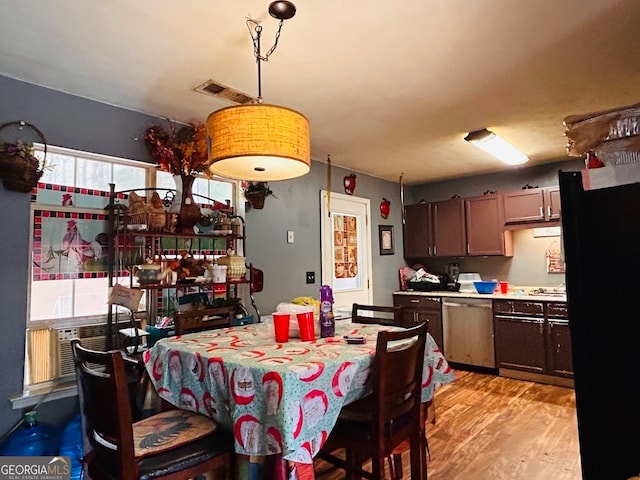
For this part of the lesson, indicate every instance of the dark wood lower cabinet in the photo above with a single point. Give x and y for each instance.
(559, 354)
(533, 337)
(418, 309)
(520, 343)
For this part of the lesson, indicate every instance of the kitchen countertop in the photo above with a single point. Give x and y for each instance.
(516, 295)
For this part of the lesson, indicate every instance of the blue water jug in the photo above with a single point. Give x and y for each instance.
(31, 439)
(71, 446)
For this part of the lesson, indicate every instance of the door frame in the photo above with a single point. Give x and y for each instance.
(326, 238)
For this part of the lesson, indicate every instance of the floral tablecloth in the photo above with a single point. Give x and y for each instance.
(276, 397)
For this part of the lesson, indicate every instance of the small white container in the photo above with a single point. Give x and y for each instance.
(219, 273)
(466, 282)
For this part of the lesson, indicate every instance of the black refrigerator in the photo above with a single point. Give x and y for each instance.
(601, 234)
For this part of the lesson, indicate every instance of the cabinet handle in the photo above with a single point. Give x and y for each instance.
(519, 319)
(414, 301)
(541, 328)
(435, 249)
(549, 211)
(541, 212)
(468, 249)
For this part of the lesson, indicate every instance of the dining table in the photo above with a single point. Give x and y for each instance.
(280, 400)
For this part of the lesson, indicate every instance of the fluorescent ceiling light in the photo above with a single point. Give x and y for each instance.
(494, 145)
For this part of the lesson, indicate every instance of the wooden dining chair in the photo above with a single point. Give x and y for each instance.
(173, 444)
(374, 426)
(205, 319)
(383, 315)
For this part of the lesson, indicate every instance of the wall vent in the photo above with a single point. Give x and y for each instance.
(217, 89)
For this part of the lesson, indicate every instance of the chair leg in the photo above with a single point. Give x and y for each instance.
(418, 460)
(354, 463)
(377, 467)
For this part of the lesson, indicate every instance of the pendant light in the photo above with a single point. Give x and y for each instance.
(260, 142)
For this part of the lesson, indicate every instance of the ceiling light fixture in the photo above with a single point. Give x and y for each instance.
(494, 145)
(260, 142)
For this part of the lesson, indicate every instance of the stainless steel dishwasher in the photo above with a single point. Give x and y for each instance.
(467, 328)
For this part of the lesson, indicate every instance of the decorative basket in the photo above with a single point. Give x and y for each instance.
(17, 172)
(256, 199)
(236, 268)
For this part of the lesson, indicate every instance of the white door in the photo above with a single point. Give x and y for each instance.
(346, 249)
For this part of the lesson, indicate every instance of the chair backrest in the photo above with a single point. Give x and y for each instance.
(206, 319)
(105, 405)
(382, 315)
(397, 384)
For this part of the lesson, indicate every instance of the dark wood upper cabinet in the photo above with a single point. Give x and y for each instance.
(534, 205)
(485, 226)
(524, 206)
(417, 231)
(552, 202)
(449, 235)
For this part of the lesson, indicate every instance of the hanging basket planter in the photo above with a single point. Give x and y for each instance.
(256, 199)
(256, 192)
(20, 170)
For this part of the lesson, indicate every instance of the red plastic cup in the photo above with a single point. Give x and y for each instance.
(504, 287)
(281, 326)
(305, 321)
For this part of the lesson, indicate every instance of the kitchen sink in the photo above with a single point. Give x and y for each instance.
(547, 294)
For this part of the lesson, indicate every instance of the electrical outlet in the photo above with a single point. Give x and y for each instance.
(290, 236)
(311, 277)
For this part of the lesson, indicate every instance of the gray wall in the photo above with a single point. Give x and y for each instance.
(74, 122)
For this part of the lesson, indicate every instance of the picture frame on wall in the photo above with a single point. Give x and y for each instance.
(385, 234)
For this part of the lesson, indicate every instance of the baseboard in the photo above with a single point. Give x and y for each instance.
(536, 377)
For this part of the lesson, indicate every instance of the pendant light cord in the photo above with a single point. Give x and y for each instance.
(256, 48)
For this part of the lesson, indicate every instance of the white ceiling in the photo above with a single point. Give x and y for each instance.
(389, 88)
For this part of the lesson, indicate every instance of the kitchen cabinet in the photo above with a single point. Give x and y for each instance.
(418, 309)
(519, 335)
(449, 233)
(533, 336)
(485, 226)
(533, 205)
(559, 355)
(418, 242)
(457, 227)
(552, 202)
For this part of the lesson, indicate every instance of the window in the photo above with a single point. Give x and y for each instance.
(68, 279)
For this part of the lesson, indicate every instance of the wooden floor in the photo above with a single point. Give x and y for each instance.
(496, 428)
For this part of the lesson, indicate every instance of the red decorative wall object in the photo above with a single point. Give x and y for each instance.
(385, 207)
(349, 183)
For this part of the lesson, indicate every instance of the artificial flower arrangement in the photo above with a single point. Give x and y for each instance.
(256, 187)
(24, 152)
(179, 152)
